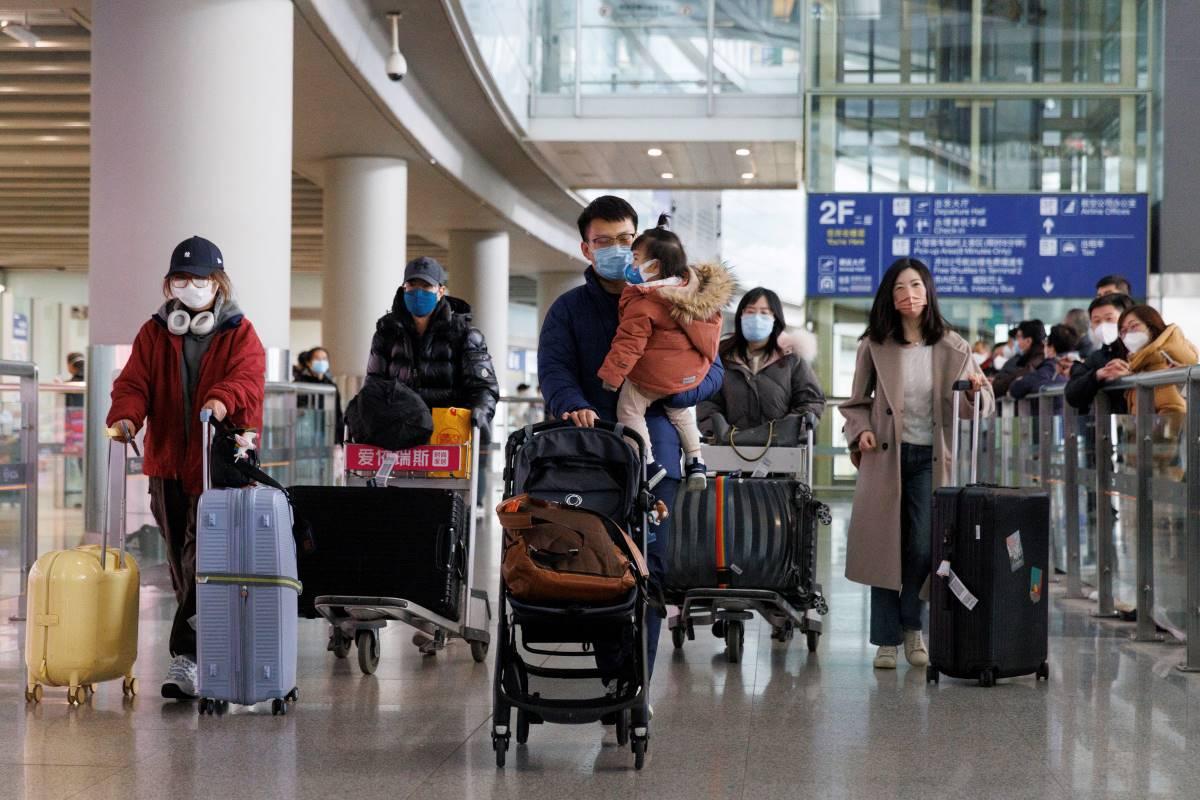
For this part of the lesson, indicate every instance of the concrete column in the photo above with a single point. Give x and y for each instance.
(191, 134)
(479, 275)
(365, 226)
(551, 286)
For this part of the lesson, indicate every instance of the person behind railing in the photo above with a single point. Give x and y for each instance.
(1077, 320)
(1113, 284)
(766, 379)
(312, 366)
(76, 372)
(1029, 353)
(899, 424)
(197, 352)
(1060, 349)
(995, 360)
(1152, 346)
(1107, 361)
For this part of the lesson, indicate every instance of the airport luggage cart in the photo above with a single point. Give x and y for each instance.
(728, 609)
(357, 619)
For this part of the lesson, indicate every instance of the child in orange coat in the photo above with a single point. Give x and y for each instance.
(666, 341)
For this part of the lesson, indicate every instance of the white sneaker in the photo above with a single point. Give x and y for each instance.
(914, 649)
(181, 679)
(885, 657)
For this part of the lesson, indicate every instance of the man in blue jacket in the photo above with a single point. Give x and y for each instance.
(575, 339)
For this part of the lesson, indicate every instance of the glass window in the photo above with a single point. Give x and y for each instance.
(756, 47)
(555, 42)
(644, 48)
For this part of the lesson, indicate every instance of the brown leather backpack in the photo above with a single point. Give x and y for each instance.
(553, 553)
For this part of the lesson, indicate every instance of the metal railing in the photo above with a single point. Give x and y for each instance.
(1125, 489)
(18, 478)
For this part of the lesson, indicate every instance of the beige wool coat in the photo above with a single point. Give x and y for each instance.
(877, 404)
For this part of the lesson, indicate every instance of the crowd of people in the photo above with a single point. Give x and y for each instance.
(640, 343)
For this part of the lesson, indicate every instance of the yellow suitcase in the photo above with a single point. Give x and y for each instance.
(82, 620)
(452, 426)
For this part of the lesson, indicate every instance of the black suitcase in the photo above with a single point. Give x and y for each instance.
(383, 542)
(743, 533)
(988, 604)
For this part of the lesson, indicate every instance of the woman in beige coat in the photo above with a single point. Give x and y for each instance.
(897, 424)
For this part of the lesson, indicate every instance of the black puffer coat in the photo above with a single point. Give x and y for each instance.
(448, 367)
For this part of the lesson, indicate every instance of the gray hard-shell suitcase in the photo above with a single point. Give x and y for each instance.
(246, 598)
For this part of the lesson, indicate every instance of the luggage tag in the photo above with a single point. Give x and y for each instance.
(1016, 553)
(762, 469)
(1035, 585)
(957, 587)
(385, 468)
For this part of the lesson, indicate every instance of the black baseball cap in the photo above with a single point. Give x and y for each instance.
(196, 256)
(425, 269)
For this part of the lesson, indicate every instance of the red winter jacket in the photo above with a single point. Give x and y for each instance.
(668, 335)
(150, 388)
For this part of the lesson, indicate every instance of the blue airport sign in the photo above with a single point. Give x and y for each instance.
(979, 245)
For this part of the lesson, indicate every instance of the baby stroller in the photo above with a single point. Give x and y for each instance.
(596, 469)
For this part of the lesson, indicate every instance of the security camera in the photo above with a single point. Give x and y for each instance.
(397, 64)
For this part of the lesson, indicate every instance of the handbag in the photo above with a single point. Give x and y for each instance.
(783, 432)
(556, 554)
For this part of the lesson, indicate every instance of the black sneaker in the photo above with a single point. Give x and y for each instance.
(697, 477)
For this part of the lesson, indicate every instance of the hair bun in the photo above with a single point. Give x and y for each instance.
(664, 221)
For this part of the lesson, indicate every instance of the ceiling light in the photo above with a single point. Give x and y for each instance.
(742, 151)
(19, 32)
(747, 176)
(654, 152)
(666, 176)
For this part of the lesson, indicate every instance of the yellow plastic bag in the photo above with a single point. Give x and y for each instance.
(453, 426)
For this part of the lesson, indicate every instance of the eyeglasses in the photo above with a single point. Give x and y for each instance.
(624, 239)
(199, 283)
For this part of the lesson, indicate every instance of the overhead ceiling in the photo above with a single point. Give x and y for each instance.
(690, 165)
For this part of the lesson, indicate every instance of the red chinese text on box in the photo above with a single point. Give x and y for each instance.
(439, 458)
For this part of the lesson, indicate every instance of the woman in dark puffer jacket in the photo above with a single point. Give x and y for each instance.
(765, 379)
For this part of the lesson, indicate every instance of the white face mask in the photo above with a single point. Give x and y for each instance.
(979, 358)
(1104, 334)
(1135, 340)
(998, 362)
(195, 298)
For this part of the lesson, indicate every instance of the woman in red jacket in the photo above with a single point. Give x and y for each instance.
(197, 352)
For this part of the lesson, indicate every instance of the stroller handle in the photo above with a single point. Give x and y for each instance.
(600, 424)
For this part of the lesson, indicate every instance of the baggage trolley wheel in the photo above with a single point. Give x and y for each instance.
(33, 694)
(1043, 672)
(129, 687)
(479, 651)
(718, 629)
(522, 727)
(623, 728)
(278, 707)
(368, 650)
(813, 638)
(735, 638)
(932, 675)
(339, 643)
(639, 752)
(678, 637)
(987, 678)
(293, 696)
(500, 745)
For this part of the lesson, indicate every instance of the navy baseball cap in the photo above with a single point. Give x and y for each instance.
(196, 256)
(425, 269)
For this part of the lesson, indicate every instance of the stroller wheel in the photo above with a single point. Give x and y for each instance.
(813, 638)
(522, 727)
(623, 728)
(479, 651)
(678, 637)
(500, 745)
(639, 752)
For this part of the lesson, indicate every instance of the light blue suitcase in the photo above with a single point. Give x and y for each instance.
(246, 598)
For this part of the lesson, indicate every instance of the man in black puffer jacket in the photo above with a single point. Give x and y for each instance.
(427, 343)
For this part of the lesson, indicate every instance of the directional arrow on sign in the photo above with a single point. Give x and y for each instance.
(1047, 285)
(901, 225)
(1048, 225)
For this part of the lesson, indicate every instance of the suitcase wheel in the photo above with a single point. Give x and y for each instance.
(292, 696)
(33, 694)
(278, 707)
(678, 637)
(77, 695)
(479, 651)
(932, 675)
(129, 687)
(368, 650)
(987, 678)
(1043, 672)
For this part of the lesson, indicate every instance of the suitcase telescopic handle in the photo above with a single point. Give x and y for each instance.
(118, 451)
(207, 428)
(959, 388)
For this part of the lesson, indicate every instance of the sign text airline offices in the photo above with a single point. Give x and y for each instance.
(978, 245)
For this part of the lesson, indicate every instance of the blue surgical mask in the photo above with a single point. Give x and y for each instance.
(642, 274)
(420, 302)
(611, 262)
(757, 327)
(320, 367)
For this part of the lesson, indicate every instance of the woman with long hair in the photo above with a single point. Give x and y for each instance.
(899, 422)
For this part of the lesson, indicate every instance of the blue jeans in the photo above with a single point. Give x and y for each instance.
(892, 612)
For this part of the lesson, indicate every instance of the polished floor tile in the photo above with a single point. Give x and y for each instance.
(1115, 721)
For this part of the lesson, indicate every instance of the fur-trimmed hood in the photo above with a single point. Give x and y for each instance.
(708, 290)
